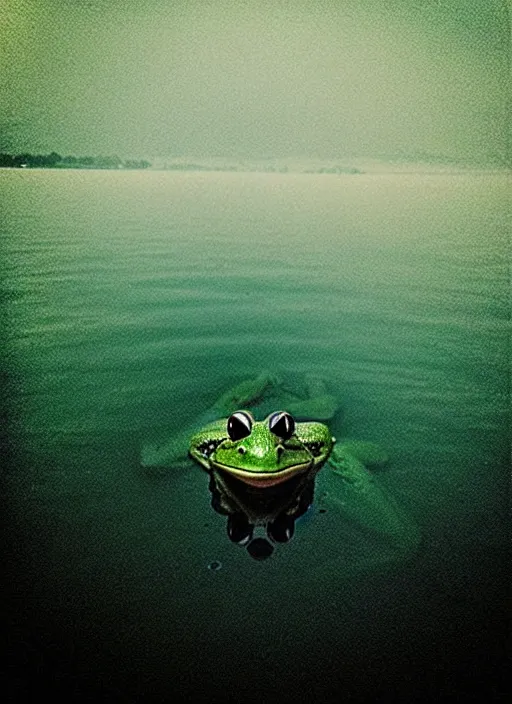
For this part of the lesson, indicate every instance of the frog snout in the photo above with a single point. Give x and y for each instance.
(258, 454)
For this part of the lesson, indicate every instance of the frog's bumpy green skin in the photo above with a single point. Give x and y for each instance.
(261, 454)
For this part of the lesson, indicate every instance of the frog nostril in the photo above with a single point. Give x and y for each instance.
(241, 450)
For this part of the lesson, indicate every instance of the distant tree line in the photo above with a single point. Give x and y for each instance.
(334, 170)
(226, 167)
(56, 161)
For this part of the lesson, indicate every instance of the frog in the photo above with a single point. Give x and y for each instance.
(280, 453)
(263, 463)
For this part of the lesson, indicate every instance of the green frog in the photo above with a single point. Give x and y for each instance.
(263, 471)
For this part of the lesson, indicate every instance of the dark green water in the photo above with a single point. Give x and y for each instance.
(132, 301)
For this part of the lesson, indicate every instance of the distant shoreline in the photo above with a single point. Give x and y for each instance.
(354, 166)
(54, 160)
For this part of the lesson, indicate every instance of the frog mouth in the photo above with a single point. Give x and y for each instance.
(263, 479)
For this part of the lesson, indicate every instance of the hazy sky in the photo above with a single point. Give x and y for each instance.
(254, 79)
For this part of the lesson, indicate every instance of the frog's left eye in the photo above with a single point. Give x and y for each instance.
(239, 425)
(282, 425)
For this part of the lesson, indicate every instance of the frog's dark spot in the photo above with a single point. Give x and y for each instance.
(315, 448)
(208, 447)
(241, 450)
(322, 510)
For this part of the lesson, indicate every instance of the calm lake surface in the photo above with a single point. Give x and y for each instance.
(131, 301)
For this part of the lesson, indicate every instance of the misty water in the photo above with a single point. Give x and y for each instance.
(132, 300)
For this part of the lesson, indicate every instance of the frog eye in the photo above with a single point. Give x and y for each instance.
(239, 425)
(281, 424)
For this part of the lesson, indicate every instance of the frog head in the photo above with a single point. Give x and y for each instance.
(268, 452)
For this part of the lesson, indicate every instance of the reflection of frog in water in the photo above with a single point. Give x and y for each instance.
(263, 472)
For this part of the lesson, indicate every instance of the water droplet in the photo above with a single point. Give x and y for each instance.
(215, 566)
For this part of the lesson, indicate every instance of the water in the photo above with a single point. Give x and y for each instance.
(132, 300)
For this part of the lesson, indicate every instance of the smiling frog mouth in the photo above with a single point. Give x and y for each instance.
(263, 479)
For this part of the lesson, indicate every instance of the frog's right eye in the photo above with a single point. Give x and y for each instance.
(282, 425)
(239, 425)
